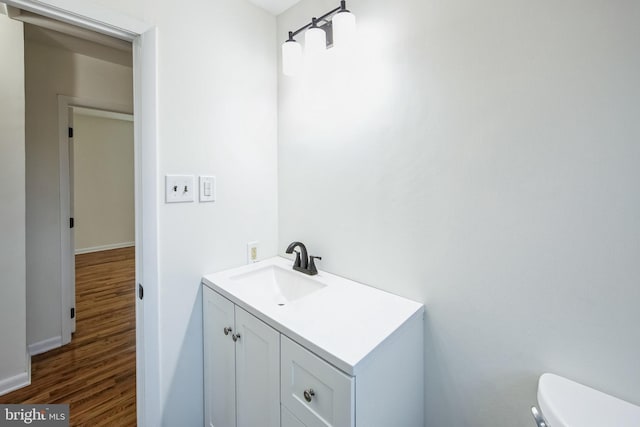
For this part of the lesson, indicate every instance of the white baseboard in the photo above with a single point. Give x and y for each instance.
(23, 379)
(104, 247)
(45, 345)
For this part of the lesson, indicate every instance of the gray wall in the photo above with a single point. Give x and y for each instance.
(103, 182)
(480, 157)
(13, 348)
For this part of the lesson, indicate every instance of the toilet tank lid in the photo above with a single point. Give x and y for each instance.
(565, 403)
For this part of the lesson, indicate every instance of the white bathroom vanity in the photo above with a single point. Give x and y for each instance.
(285, 349)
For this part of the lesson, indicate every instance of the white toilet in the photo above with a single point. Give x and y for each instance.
(565, 403)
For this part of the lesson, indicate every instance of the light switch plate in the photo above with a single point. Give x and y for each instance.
(207, 188)
(179, 188)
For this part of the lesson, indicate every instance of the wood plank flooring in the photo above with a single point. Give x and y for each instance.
(95, 374)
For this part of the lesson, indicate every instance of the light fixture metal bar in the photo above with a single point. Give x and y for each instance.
(292, 34)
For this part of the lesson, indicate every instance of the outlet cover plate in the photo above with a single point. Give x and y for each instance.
(252, 252)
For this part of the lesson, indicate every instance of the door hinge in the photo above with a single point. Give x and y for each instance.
(73, 313)
(70, 132)
(140, 291)
(71, 222)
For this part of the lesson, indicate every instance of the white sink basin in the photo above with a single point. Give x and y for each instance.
(275, 284)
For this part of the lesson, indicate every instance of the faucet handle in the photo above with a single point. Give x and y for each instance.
(296, 263)
(312, 264)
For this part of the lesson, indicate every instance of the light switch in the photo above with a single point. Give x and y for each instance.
(207, 188)
(179, 188)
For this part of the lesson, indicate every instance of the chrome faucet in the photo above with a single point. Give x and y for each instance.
(303, 263)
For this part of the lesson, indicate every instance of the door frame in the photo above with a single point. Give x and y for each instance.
(67, 245)
(147, 183)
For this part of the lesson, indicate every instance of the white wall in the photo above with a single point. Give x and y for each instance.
(217, 94)
(51, 71)
(217, 115)
(13, 360)
(103, 182)
(481, 157)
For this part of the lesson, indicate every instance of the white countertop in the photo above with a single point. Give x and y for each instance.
(342, 322)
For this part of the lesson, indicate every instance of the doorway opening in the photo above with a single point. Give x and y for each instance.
(92, 212)
(101, 179)
(97, 187)
(102, 234)
(143, 37)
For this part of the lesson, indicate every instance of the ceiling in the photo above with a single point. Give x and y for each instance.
(276, 7)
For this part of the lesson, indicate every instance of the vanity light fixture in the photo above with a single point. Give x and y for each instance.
(315, 40)
(335, 28)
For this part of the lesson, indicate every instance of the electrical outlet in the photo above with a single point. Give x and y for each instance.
(252, 252)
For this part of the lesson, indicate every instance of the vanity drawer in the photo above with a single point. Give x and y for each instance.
(314, 391)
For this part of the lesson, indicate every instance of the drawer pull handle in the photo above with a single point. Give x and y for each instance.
(308, 394)
(235, 337)
(227, 330)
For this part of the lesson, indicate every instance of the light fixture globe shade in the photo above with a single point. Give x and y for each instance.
(344, 28)
(291, 58)
(315, 42)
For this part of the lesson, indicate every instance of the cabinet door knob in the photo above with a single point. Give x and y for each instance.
(308, 394)
(235, 337)
(227, 330)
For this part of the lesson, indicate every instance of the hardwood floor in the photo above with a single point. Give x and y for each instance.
(95, 374)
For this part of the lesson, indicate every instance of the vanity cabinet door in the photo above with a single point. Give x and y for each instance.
(257, 372)
(288, 420)
(219, 360)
